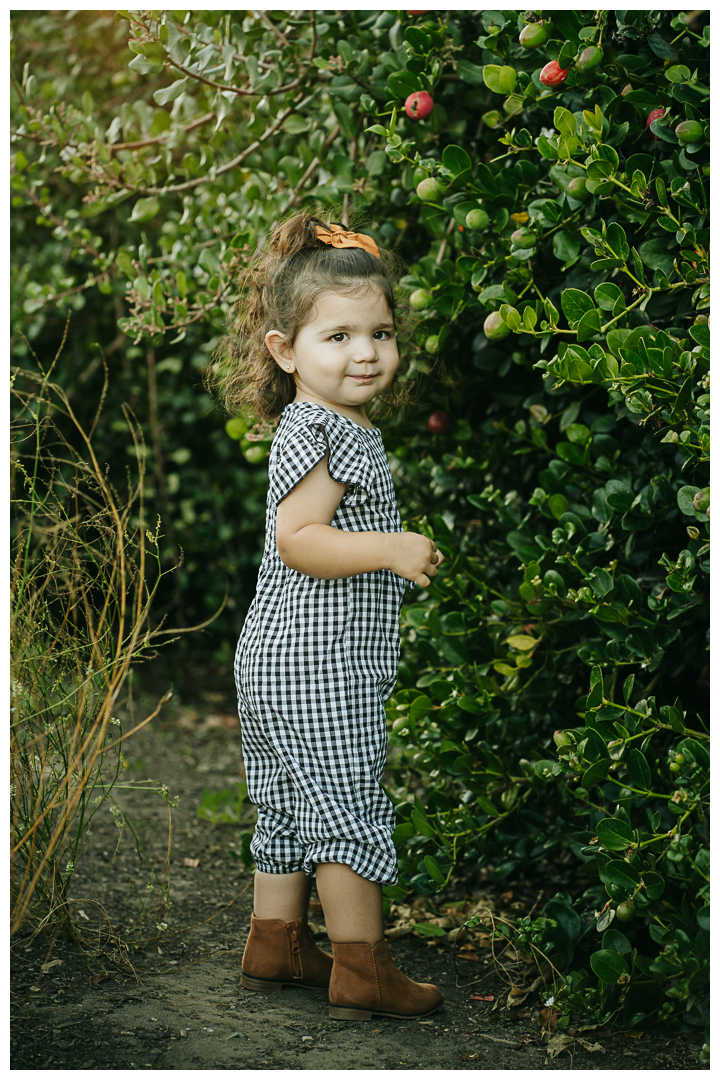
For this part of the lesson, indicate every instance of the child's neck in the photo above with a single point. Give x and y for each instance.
(356, 413)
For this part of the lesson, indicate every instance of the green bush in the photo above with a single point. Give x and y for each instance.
(587, 569)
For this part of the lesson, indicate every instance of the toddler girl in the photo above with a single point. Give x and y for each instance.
(317, 657)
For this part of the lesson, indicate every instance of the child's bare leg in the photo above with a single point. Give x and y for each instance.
(352, 905)
(281, 896)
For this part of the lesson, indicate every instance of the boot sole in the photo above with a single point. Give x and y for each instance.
(348, 1012)
(264, 985)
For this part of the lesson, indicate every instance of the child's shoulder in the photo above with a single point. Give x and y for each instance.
(303, 415)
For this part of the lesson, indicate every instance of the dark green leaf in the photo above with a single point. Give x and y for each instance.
(608, 965)
(575, 304)
(622, 874)
(456, 160)
(613, 834)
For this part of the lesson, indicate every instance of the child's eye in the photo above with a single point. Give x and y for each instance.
(340, 335)
(386, 334)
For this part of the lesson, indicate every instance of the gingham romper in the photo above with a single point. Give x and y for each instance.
(315, 664)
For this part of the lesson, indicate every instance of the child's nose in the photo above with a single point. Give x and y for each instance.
(366, 350)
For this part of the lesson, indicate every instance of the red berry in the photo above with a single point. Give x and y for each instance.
(552, 74)
(417, 11)
(419, 105)
(654, 115)
(439, 422)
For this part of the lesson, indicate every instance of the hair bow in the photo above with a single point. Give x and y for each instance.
(337, 236)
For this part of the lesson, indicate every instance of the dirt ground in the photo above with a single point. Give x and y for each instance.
(132, 996)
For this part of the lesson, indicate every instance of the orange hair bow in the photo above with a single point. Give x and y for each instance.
(337, 236)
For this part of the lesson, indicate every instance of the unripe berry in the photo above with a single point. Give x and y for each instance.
(577, 189)
(430, 189)
(255, 454)
(589, 59)
(420, 299)
(495, 329)
(689, 131)
(419, 105)
(533, 36)
(477, 219)
(625, 912)
(432, 344)
(553, 75)
(523, 238)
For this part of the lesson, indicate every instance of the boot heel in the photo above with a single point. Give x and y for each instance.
(344, 1012)
(258, 984)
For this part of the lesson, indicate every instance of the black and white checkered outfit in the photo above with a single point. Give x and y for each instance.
(315, 664)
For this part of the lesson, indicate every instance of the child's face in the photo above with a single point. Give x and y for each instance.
(346, 353)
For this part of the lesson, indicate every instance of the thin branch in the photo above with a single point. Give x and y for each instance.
(58, 221)
(310, 170)
(159, 138)
(278, 33)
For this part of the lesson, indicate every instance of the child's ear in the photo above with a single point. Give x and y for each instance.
(280, 349)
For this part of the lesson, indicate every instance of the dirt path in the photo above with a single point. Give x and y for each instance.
(183, 1008)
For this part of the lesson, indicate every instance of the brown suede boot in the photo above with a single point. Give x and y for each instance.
(281, 954)
(365, 983)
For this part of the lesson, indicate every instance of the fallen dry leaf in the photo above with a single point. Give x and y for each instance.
(516, 997)
(400, 930)
(376, 1031)
(469, 1057)
(467, 954)
(592, 1047)
(191, 862)
(557, 1044)
(95, 979)
(477, 997)
(315, 905)
(628, 1034)
(50, 965)
(547, 1019)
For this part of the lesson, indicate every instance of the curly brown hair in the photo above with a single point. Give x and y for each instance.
(279, 289)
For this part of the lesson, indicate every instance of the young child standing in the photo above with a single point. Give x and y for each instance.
(317, 657)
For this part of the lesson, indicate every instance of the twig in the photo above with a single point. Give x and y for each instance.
(159, 138)
(310, 170)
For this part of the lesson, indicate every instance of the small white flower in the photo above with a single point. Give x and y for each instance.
(550, 1001)
(162, 926)
(114, 720)
(70, 867)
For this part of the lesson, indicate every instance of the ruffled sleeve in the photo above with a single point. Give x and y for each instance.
(307, 438)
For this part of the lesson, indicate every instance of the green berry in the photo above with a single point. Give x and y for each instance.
(420, 299)
(478, 220)
(430, 189)
(432, 344)
(523, 238)
(577, 189)
(589, 59)
(533, 36)
(255, 454)
(495, 329)
(625, 912)
(689, 131)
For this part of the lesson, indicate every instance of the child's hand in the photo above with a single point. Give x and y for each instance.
(414, 556)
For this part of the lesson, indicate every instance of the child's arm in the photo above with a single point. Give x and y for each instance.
(307, 542)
